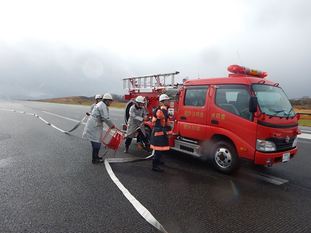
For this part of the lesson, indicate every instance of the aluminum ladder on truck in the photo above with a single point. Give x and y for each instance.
(150, 82)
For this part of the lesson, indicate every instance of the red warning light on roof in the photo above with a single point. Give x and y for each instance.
(236, 69)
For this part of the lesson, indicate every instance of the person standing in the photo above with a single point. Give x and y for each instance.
(159, 137)
(94, 126)
(137, 114)
(98, 98)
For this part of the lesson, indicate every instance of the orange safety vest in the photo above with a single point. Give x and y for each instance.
(159, 137)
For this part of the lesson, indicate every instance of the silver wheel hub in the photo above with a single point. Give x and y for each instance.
(223, 157)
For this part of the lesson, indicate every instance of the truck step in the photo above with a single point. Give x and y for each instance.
(187, 147)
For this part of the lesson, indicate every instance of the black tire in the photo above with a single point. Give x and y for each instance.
(224, 157)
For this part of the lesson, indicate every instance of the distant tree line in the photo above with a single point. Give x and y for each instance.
(304, 102)
(118, 98)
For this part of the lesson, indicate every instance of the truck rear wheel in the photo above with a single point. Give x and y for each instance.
(224, 157)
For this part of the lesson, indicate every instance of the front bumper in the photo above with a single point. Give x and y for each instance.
(262, 158)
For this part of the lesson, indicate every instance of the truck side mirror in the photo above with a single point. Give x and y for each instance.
(253, 102)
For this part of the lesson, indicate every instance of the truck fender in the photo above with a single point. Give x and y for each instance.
(243, 149)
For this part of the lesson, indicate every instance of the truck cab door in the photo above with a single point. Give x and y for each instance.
(231, 113)
(192, 112)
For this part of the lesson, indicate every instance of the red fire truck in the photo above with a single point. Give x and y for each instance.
(242, 116)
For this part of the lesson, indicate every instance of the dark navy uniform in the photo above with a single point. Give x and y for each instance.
(159, 138)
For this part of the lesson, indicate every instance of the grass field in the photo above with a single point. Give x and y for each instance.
(305, 120)
(80, 101)
(118, 105)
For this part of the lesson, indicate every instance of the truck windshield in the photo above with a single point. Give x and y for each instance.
(273, 101)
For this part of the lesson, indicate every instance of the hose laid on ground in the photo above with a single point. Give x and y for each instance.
(143, 211)
(45, 121)
(77, 125)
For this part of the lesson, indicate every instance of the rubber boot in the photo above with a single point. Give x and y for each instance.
(126, 149)
(155, 167)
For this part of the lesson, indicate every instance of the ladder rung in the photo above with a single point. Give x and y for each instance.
(150, 81)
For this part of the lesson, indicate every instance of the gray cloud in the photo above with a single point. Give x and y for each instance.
(276, 38)
(43, 70)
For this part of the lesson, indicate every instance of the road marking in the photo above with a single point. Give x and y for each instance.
(48, 123)
(35, 115)
(265, 177)
(145, 213)
(305, 136)
(8, 110)
(60, 116)
(5, 162)
(304, 141)
(137, 205)
(306, 131)
(67, 118)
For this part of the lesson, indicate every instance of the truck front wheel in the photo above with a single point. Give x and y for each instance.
(224, 157)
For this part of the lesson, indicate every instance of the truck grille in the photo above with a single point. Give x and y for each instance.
(282, 144)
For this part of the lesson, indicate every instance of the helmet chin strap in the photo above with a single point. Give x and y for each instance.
(105, 101)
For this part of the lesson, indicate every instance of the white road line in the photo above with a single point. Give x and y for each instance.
(145, 213)
(137, 205)
(305, 136)
(272, 179)
(35, 115)
(60, 116)
(305, 131)
(268, 178)
(8, 110)
(5, 162)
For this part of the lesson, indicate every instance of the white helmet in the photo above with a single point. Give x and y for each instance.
(107, 96)
(98, 96)
(163, 97)
(140, 99)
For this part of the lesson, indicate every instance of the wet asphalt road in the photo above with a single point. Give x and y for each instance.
(48, 184)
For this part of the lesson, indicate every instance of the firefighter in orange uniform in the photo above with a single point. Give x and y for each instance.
(160, 132)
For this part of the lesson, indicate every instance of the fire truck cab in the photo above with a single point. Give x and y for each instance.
(242, 116)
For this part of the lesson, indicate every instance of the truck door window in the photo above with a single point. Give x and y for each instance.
(234, 99)
(195, 96)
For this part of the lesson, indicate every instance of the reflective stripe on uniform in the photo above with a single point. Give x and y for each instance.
(161, 148)
(156, 134)
(169, 132)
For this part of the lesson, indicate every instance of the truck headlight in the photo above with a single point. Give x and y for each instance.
(265, 146)
(295, 142)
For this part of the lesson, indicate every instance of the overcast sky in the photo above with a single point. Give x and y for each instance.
(65, 48)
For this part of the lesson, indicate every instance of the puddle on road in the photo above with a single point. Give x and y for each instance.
(4, 136)
(5, 162)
